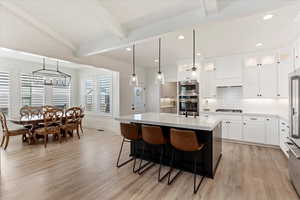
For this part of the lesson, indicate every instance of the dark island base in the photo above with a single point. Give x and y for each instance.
(211, 155)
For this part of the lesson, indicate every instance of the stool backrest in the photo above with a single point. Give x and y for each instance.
(184, 140)
(130, 131)
(153, 134)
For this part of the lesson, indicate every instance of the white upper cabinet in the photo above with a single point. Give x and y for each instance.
(229, 71)
(251, 78)
(209, 80)
(268, 77)
(284, 67)
(260, 76)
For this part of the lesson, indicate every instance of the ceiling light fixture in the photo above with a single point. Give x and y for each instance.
(180, 37)
(259, 44)
(194, 69)
(128, 49)
(133, 79)
(268, 16)
(52, 77)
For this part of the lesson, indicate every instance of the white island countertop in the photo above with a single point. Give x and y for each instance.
(173, 120)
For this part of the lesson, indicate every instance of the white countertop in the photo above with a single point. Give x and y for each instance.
(173, 120)
(280, 116)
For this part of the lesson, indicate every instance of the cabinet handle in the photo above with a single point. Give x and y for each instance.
(282, 130)
(268, 119)
(244, 123)
(253, 118)
(282, 123)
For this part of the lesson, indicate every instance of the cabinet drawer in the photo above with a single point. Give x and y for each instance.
(230, 117)
(254, 119)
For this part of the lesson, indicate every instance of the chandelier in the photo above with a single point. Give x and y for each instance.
(52, 77)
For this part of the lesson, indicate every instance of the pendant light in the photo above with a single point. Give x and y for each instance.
(160, 75)
(133, 79)
(194, 69)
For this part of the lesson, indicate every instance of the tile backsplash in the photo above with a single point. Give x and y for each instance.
(232, 98)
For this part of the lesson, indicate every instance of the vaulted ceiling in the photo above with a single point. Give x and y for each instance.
(84, 28)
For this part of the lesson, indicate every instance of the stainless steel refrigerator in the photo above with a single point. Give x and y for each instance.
(294, 136)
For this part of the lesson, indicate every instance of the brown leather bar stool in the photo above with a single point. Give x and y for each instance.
(153, 135)
(185, 141)
(130, 134)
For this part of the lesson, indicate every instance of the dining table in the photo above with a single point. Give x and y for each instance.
(33, 122)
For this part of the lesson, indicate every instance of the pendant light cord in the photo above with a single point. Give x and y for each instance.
(159, 54)
(194, 49)
(133, 60)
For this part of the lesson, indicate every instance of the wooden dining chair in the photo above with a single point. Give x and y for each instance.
(52, 125)
(73, 117)
(13, 131)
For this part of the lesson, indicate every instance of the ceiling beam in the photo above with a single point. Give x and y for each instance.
(101, 45)
(17, 11)
(109, 21)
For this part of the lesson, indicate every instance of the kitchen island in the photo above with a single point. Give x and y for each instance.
(208, 131)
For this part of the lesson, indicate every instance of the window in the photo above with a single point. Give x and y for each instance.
(32, 90)
(4, 92)
(90, 95)
(61, 96)
(105, 93)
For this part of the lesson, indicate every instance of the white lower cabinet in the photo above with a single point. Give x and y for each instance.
(254, 129)
(232, 129)
(272, 133)
(284, 133)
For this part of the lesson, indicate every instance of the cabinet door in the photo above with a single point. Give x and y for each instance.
(225, 129)
(285, 66)
(235, 130)
(251, 82)
(229, 71)
(272, 134)
(254, 131)
(268, 81)
(209, 81)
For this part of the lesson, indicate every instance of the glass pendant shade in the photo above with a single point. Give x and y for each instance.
(133, 81)
(160, 78)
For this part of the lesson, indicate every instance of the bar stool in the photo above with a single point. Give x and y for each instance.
(153, 135)
(130, 134)
(185, 141)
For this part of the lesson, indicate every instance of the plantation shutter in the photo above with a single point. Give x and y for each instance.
(4, 92)
(105, 93)
(90, 100)
(32, 90)
(61, 96)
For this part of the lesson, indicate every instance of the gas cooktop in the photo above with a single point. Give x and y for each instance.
(229, 110)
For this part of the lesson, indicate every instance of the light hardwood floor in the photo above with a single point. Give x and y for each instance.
(85, 169)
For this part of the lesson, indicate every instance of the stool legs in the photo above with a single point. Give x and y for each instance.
(146, 164)
(129, 160)
(170, 181)
(160, 166)
(196, 188)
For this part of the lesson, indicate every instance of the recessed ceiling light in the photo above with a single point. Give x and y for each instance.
(180, 37)
(156, 60)
(198, 54)
(259, 44)
(128, 49)
(268, 16)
